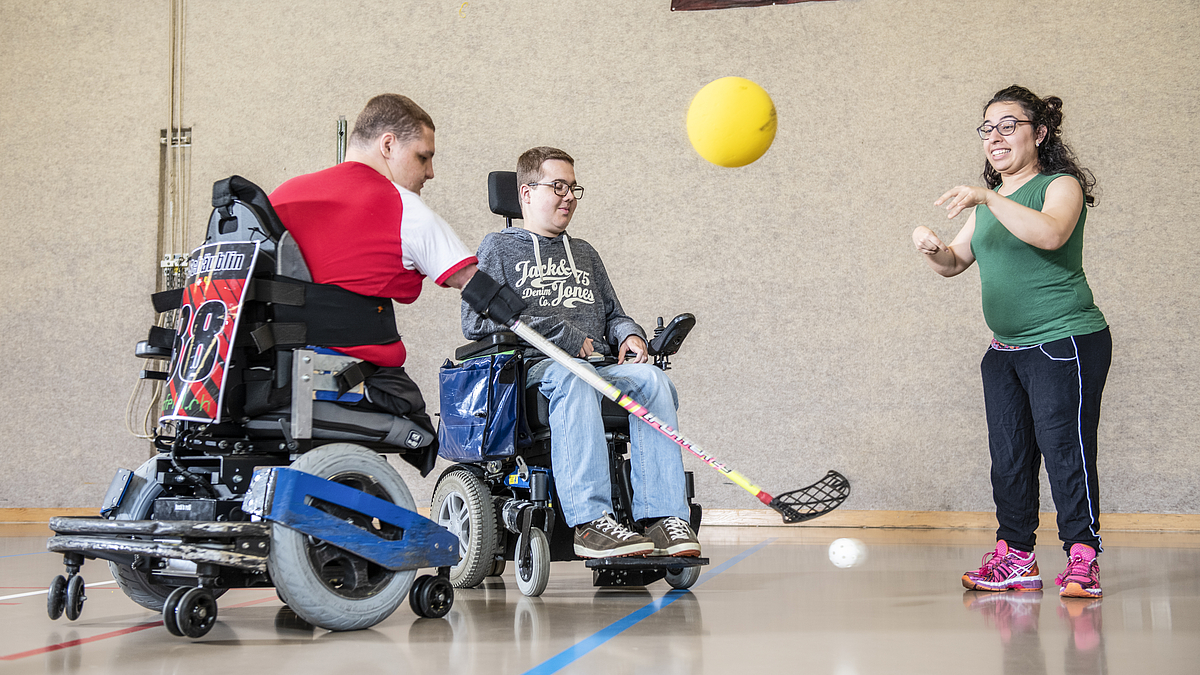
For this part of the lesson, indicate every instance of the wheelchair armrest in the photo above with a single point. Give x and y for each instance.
(503, 341)
(145, 350)
(667, 342)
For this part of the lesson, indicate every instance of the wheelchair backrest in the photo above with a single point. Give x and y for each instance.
(291, 262)
(240, 245)
(503, 196)
(242, 212)
(249, 300)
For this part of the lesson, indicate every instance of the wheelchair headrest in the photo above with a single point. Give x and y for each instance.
(238, 189)
(502, 194)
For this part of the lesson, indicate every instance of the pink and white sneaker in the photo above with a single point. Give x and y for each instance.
(1081, 579)
(1003, 570)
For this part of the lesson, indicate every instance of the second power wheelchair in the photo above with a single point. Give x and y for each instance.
(504, 508)
(263, 477)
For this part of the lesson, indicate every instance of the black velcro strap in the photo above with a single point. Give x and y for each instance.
(163, 338)
(277, 292)
(353, 375)
(492, 299)
(166, 301)
(336, 317)
(280, 334)
(264, 337)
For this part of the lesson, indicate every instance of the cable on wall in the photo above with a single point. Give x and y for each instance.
(174, 227)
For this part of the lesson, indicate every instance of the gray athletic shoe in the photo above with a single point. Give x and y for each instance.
(606, 538)
(673, 537)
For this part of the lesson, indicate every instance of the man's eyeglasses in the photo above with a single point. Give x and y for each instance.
(561, 188)
(1005, 127)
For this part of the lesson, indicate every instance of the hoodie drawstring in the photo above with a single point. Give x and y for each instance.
(537, 253)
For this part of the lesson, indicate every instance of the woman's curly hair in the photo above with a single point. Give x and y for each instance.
(1053, 155)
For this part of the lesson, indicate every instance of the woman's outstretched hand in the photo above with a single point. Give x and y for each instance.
(962, 197)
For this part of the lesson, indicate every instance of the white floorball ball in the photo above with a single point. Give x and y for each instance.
(846, 553)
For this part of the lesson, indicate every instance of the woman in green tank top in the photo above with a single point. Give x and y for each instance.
(1045, 369)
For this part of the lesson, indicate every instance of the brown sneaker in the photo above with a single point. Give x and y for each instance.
(606, 538)
(673, 537)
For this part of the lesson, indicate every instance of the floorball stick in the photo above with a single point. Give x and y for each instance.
(795, 506)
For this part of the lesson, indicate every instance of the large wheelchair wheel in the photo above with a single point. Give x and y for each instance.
(463, 505)
(324, 585)
(137, 505)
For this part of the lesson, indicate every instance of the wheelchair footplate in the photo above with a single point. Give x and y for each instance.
(634, 571)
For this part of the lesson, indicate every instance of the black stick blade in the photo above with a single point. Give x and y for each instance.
(813, 501)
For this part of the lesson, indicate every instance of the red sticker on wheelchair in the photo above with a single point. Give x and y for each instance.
(218, 278)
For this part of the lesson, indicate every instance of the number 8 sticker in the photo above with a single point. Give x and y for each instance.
(201, 341)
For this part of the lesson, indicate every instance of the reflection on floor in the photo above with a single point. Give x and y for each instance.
(771, 602)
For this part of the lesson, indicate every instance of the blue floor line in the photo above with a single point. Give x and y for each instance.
(586, 645)
(18, 555)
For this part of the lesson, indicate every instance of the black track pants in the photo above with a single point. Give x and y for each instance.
(1044, 401)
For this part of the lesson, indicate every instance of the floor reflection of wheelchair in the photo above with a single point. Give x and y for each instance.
(269, 479)
(504, 509)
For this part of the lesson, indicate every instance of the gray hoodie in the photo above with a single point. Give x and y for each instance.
(565, 286)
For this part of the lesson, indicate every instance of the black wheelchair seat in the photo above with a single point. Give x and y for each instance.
(335, 422)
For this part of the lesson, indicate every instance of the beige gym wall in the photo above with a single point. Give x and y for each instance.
(823, 340)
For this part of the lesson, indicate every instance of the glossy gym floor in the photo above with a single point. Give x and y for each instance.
(770, 602)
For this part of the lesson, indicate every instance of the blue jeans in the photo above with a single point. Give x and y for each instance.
(579, 453)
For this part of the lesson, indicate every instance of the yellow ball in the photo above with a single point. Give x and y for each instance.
(731, 121)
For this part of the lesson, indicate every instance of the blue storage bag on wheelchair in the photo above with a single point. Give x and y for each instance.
(481, 408)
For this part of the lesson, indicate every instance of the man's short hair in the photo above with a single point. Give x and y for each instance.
(529, 164)
(389, 113)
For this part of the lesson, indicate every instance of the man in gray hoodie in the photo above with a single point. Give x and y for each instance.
(572, 302)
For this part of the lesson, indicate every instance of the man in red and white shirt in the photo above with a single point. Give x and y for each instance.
(362, 225)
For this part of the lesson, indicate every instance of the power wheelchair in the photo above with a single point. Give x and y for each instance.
(269, 478)
(505, 508)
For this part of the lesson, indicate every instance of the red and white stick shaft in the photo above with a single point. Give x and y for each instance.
(636, 409)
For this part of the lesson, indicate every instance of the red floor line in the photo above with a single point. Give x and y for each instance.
(75, 643)
(104, 636)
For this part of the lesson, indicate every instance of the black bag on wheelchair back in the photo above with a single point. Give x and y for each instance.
(482, 408)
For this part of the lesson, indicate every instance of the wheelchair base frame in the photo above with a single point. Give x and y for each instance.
(235, 554)
(245, 545)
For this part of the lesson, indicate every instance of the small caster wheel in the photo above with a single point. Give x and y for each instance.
(415, 591)
(75, 597)
(534, 573)
(196, 612)
(431, 597)
(56, 597)
(683, 577)
(168, 610)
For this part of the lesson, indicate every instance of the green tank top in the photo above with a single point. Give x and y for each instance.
(1032, 296)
